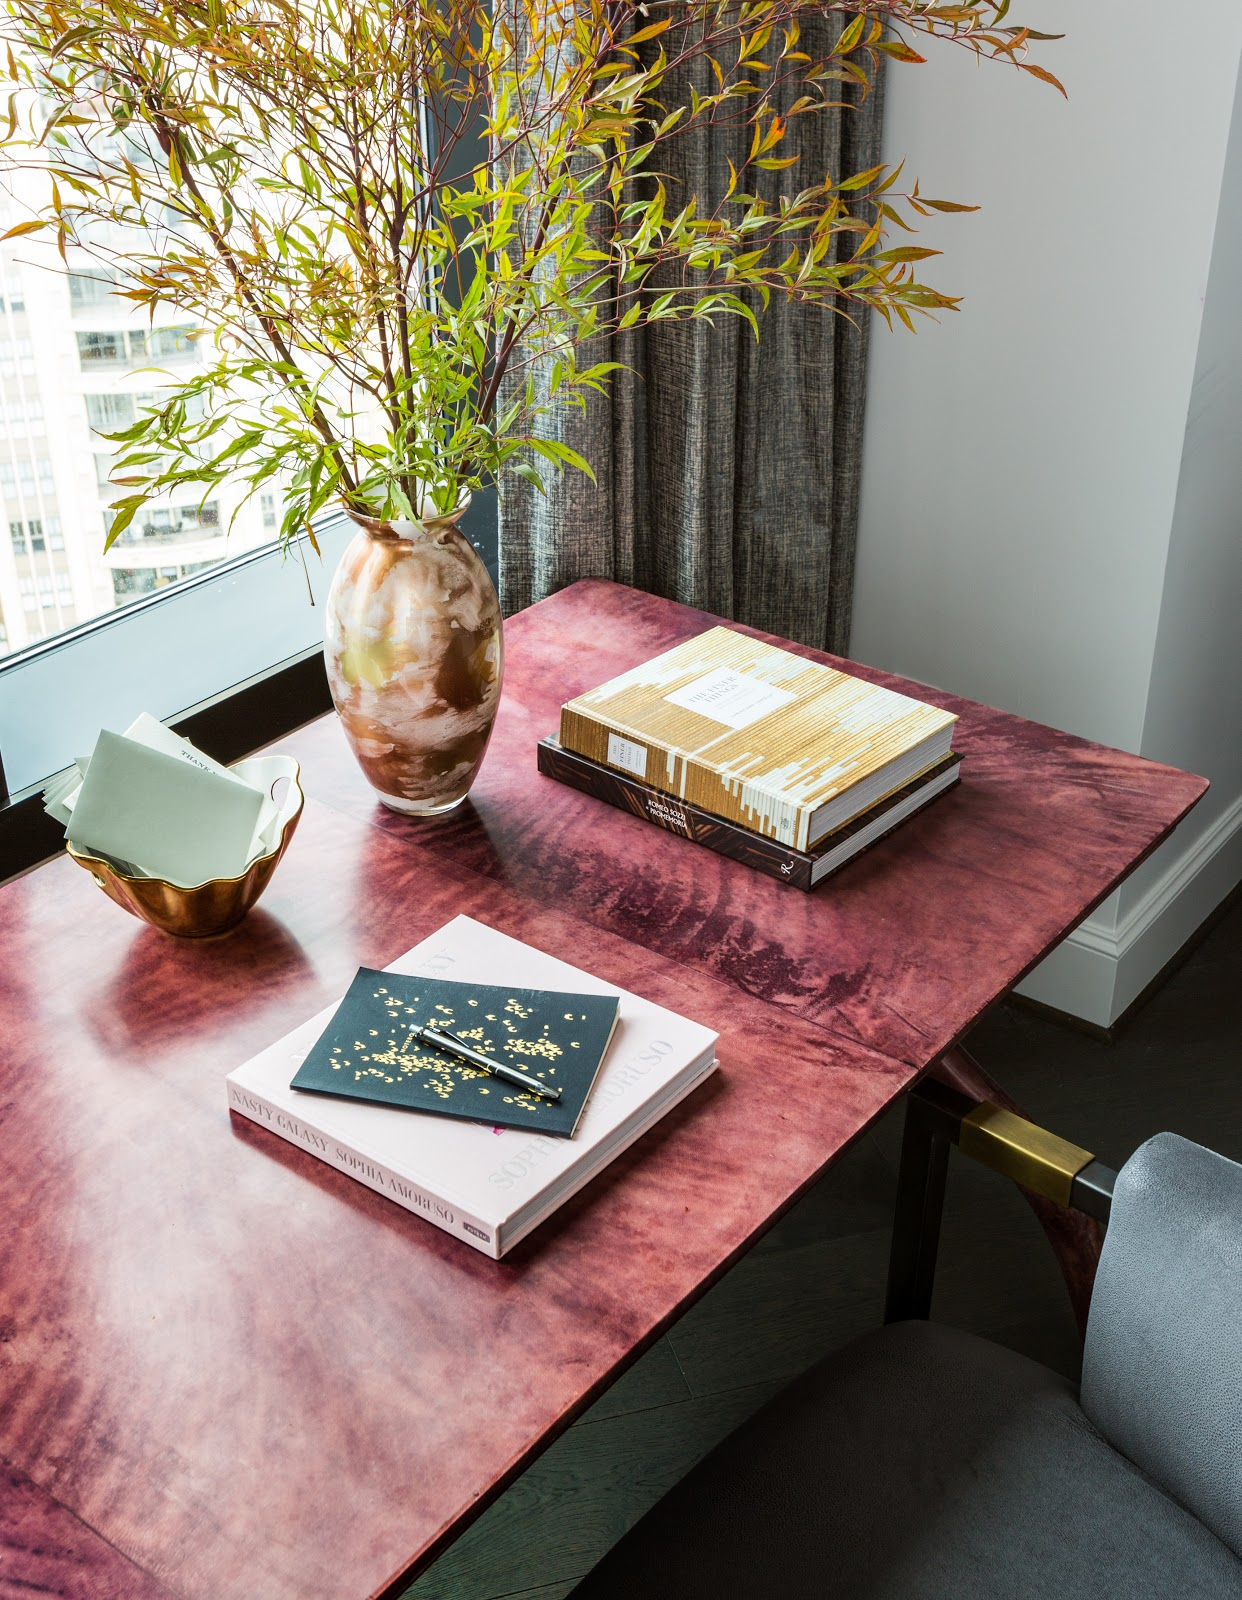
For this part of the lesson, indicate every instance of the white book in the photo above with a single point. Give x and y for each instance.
(488, 1186)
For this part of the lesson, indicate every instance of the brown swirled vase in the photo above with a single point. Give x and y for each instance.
(415, 659)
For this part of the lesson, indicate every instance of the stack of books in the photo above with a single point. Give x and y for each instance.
(368, 1086)
(785, 764)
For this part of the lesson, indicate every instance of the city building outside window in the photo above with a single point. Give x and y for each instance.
(150, 619)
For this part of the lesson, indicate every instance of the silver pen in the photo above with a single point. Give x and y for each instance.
(499, 1069)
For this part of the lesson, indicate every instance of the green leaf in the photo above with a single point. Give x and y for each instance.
(525, 471)
(899, 50)
(860, 180)
(851, 36)
(905, 252)
(651, 31)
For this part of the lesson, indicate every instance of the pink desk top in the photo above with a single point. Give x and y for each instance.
(224, 1362)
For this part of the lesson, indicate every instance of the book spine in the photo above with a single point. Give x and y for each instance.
(675, 816)
(363, 1167)
(784, 822)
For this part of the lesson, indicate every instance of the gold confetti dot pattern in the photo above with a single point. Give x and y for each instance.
(388, 1053)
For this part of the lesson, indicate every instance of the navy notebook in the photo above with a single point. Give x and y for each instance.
(367, 1051)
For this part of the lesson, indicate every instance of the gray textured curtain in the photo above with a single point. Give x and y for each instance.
(728, 471)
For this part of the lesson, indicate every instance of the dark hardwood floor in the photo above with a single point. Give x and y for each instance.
(817, 1278)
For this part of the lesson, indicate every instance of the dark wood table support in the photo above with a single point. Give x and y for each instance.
(1075, 1238)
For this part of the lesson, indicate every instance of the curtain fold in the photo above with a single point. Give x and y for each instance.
(727, 471)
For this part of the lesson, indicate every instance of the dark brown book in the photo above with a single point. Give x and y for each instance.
(804, 869)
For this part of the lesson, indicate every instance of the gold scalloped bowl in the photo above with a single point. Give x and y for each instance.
(215, 907)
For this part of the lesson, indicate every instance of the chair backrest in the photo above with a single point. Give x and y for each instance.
(1162, 1368)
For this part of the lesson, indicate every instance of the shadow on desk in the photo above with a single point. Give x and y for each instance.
(143, 1004)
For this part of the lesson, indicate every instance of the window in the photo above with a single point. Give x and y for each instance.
(106, 413)
(229, 615)
(165, 343)
(81, 335)
(94, 349)
(186, 522)
(22, 416)
(130, 581)
(92, 289)
(220, 626)
(28, 417)
(16, 355)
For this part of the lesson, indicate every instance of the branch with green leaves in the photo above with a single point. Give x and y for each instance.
(383, 215)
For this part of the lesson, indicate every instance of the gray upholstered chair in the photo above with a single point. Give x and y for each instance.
(919, 1463)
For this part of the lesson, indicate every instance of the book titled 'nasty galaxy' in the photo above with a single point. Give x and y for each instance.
(487, 1185)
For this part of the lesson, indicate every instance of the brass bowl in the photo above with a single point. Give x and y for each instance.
(214, 907)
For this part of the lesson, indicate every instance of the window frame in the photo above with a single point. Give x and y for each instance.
(226, 725)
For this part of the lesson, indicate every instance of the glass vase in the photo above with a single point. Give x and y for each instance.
(415, 659)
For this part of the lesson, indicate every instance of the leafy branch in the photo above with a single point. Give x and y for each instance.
(399, 226)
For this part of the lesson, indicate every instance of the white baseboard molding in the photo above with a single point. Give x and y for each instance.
(1107, 962)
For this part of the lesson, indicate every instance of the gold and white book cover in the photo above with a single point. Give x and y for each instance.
(756, 734)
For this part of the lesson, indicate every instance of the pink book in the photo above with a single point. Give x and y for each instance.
(490, 1187)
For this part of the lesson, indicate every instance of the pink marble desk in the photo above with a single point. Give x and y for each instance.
(227, 1372)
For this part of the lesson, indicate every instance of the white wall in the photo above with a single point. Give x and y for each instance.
(1044, 546)
(1194, 705)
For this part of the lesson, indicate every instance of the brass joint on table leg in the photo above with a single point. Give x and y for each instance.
(1018, 1149)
